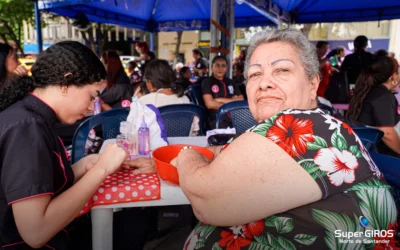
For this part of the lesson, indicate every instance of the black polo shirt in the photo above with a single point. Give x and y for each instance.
(379, 109)
(33, 162)
(202, 63)
(225, 88)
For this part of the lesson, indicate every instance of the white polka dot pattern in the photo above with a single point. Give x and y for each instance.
(124, 186)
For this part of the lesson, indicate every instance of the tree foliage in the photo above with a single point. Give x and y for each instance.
(12, 15)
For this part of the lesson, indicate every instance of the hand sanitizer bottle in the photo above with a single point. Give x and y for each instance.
(144, 138)
(126, 140)
(97, 107)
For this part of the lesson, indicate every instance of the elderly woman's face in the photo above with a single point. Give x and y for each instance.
(277, 81)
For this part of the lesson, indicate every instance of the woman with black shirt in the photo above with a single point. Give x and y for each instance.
(184, 78)
(374, 103)
(40, 192)
(119, 87)
(9, 64)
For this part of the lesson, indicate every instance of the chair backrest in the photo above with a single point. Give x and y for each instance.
(369, 136)
(389, 166)
(110, 121)
(178, 118)
(196, 95)
(239, 111)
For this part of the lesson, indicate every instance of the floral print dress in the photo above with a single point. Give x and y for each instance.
(357, 210)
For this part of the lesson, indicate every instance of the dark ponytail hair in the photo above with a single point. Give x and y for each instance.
(63, 64)
(5, 51)
(377, 74)
(161, 75)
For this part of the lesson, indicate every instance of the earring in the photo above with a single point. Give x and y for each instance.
(394, 82)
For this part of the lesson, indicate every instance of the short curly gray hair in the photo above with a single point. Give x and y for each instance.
(306, 50)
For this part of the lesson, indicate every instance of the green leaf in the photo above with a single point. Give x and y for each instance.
(309, 165)
(377, 203)
(216, 246)
(286, 244)
(261, 239)
(355, 151)
(318, 174)
(317, 144)
(334, 221)
(273, 118)
(270, 221)
(272, 241)
(257, 246)
(262, 128)
(199, 243)
(305, 239)
(284, 225)
(313, 146)
(338, 141)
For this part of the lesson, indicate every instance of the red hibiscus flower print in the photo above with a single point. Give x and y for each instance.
(386, 243)
(291, 134)
(349, 129)
(340, 166)
(233, 241)
(253, 229)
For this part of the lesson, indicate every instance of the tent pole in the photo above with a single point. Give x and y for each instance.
(38, 27)
(215, 6)
(231, 28)
(151, 41)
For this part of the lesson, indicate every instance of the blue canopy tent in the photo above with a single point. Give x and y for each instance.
(152, 15)
(320, 11)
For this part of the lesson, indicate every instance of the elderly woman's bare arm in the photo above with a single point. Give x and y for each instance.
(251, 179)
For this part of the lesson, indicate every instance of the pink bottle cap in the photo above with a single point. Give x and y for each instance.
(125, 103)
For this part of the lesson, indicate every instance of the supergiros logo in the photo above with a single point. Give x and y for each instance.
(366, 236)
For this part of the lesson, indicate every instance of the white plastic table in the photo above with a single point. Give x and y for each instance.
(102, 216)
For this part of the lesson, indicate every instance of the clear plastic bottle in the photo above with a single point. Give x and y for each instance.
(126, 139)
(144, 138)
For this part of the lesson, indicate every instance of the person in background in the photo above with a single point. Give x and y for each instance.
(374, 103)
(240, 59)
(392, 55)
(119, 87)
(161, 82)
(178, 67)
(218, 90)
(238, 78)
(41, 194)
(134, 76)
(356, 62)
(336, 60)
(184, 78)
(9, 64)
(325, 66)
(200, 63)
(145, 55)
(381, 53)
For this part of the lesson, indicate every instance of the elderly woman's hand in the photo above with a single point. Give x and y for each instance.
(188, 160)
(141, 165)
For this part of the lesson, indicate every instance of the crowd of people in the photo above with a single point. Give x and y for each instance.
(288, 183)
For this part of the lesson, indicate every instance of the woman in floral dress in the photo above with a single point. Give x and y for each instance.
(300, 179)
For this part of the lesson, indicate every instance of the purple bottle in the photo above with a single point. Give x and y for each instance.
(97, 107)
(144, 138)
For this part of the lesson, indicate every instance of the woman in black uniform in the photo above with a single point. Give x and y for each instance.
(40, 192)
(374, 103)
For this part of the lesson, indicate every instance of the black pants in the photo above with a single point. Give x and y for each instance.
(131, 229)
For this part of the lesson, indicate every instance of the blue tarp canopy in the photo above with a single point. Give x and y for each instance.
(319, 11)
(152, 15)
(174, 15)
